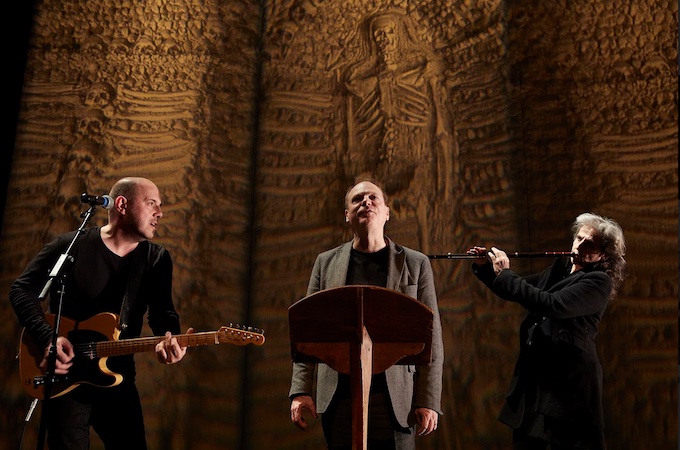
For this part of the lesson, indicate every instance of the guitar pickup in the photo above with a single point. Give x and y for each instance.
(41, 380)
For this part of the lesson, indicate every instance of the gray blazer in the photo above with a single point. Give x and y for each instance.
(410, 273)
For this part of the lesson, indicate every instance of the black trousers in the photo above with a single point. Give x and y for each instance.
(524, 442)
(384, 433)
(114, 413)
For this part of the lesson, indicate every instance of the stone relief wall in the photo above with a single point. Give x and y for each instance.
(486, 121)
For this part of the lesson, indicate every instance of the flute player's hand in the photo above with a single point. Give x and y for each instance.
(499, 259)
(481, 252)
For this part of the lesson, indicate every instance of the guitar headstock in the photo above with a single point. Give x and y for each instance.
(240, 335)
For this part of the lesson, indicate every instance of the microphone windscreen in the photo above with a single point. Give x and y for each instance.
(107, 202)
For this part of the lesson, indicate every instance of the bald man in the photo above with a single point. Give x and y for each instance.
(115, 269)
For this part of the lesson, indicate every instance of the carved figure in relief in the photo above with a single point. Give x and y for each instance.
(88, 152)
(397, 125)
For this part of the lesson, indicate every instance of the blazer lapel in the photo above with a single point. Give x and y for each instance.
(396, 267)
(337, 275)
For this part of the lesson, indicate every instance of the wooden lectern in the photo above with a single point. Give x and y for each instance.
(360, 331)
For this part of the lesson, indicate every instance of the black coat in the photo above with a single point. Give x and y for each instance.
(558, 374)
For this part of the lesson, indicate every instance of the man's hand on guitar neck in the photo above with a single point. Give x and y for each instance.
(169, 351)
(65, 355)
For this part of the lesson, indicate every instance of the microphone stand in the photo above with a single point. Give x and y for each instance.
(57, 272)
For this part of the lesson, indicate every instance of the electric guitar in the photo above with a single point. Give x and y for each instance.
(95, 339)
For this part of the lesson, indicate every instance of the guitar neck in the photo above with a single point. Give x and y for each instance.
(147, 344)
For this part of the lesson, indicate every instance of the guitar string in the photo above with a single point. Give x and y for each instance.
(90, 348)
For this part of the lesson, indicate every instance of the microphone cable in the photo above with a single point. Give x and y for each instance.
(26, 421)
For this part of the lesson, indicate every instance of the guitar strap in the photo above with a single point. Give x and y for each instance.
(136, 270)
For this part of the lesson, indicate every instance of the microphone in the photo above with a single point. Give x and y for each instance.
(105, 201)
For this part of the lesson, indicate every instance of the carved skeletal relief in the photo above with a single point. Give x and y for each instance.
(397, 120)
(390, 115)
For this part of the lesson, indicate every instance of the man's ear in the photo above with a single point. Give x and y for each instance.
(121, 204)
(388, 214)
(346, 216)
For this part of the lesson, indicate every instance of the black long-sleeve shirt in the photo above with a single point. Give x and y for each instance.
(97, 281)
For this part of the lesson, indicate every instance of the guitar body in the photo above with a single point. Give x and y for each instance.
(95, 339)
(86, 368)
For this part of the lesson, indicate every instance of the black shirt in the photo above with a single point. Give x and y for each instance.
(96, 281)
(366, 269)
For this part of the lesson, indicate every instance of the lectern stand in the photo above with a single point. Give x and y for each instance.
(360, 331)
